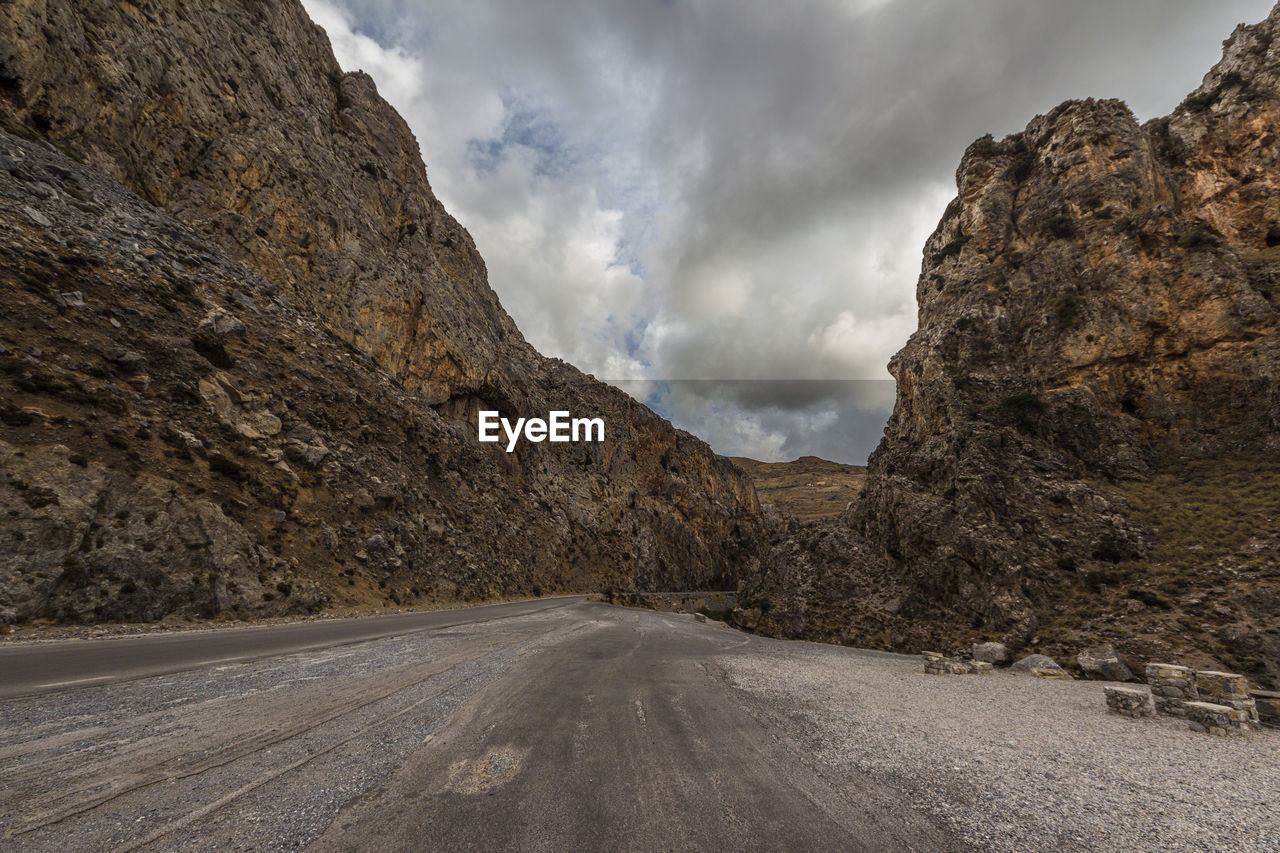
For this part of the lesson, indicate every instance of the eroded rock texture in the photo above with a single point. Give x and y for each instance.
(243, 349)
(1098, 314)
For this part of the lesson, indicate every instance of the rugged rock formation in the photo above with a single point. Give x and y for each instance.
(252, 386)
(805, 488)
(235, 118)
(1097, 347)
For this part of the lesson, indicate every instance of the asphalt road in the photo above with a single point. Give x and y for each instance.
(60, 665)
(573, 727)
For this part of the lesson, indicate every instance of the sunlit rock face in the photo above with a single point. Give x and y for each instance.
(359, 339)
(1098, 311)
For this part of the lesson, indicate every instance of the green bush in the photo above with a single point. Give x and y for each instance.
(1060, 227)
(220, 464)
(1111, 548)
(1201, 101)
(1013, 256)
(953, 248)
(1199, 235)
(1022, 165)
(1149, 598)
(1024, 407)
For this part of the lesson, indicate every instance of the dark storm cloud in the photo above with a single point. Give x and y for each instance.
(737, 189)
(783, 419)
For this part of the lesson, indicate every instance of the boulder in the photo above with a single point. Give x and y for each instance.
(1103, 663)
(37, 217)
(220, 323)
(311, 455)
(127, 360)
(244, 413)
(1042, 666)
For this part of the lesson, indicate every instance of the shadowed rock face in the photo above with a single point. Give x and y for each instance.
(281, 344)
(1098, 306)
(235, 118)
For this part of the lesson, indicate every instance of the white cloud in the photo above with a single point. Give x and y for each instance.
(550, 244)
(738, 189)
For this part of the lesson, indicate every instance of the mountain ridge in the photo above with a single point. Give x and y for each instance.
(808, 487)
(1097, 311)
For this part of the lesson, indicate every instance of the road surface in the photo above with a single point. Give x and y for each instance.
(58, 665)
(554, 725)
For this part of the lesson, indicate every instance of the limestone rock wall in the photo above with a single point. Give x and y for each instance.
(267, 310)
(236, 118)
(1098, 305)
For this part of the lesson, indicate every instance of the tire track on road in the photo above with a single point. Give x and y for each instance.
(193, 763)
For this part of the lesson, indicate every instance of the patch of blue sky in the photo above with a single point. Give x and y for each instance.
(633, 339)
(658, 400)
(391, 23)
(536, 132)
(635, 238)
(484, 155)
(624, 185)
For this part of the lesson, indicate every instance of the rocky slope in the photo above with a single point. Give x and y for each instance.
(1087, 431)
(244, 347)
(805, 488)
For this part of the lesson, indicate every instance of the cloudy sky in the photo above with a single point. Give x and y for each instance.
(728, 198)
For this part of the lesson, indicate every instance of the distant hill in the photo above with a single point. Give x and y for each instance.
(807, 487)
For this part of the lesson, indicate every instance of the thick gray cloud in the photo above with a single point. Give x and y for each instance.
(738, 190)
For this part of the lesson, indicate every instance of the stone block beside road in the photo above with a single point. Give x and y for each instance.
(1216, 719)
(1130, 701)
(1172, 686)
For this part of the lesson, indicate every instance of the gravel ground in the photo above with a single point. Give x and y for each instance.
(1017, 763)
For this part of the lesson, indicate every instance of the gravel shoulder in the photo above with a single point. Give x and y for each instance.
(1017, 763)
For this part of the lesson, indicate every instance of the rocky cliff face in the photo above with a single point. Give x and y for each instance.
(1098, 315)
(244, 347)
(235, 118)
